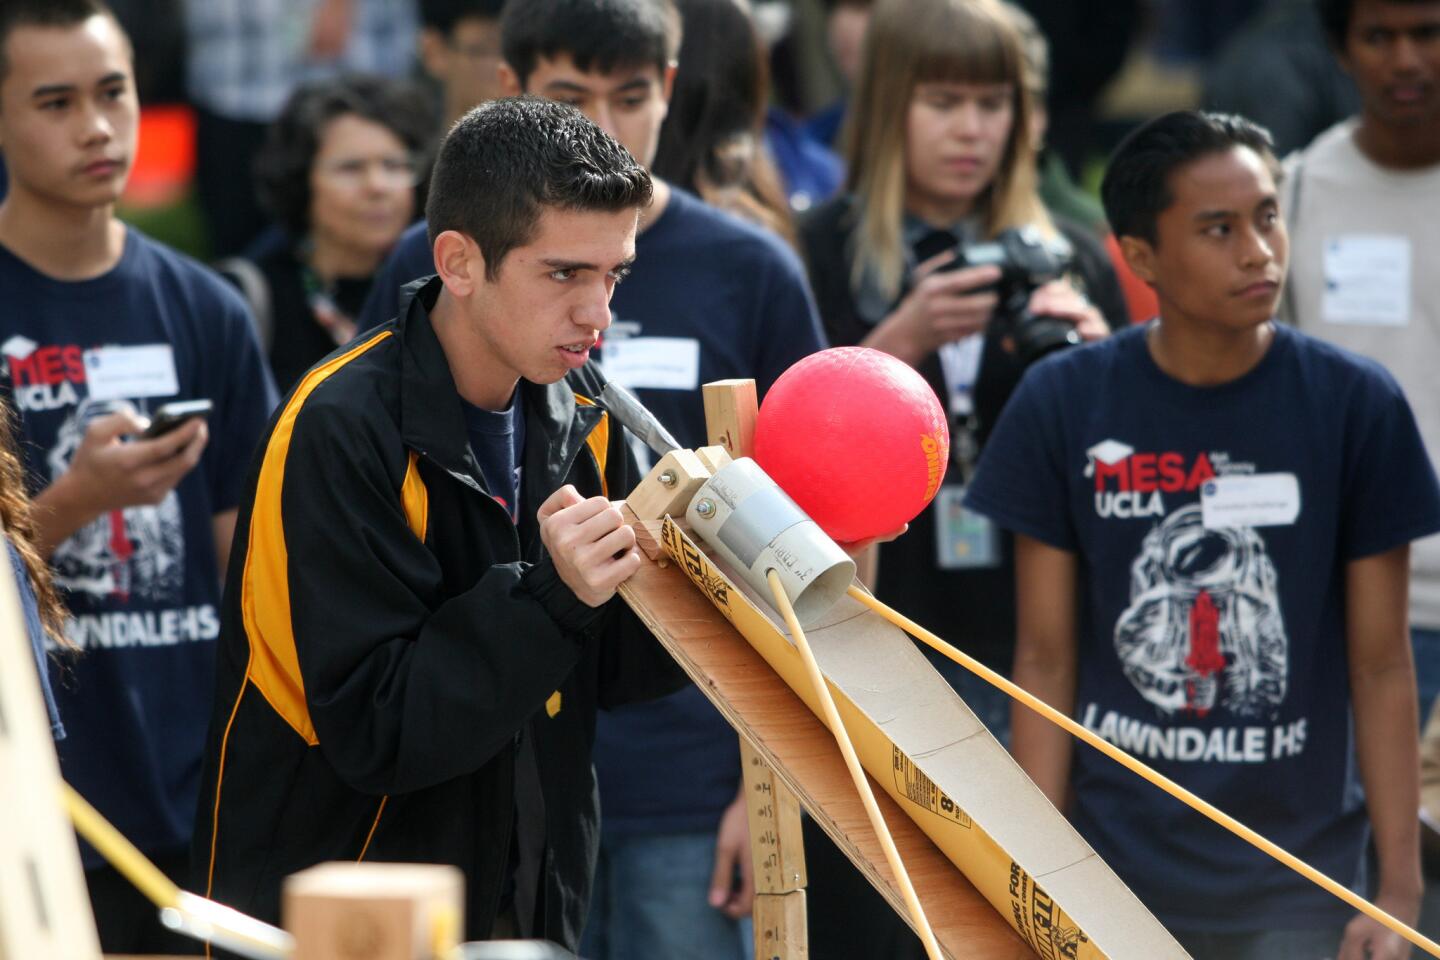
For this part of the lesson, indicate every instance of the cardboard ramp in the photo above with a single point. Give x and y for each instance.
(1027, 884)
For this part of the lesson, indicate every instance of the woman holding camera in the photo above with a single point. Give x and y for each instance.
(940, 149)
(941, 156)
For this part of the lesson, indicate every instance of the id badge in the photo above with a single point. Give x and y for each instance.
(964, 539)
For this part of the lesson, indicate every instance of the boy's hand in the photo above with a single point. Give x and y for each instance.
(732, 856)
(1367, 939)
(592, 548)
(107, 473)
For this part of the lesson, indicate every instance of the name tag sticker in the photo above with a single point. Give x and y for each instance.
(654, 363)
(1367, 280)
(127, 373)
(964, 539)
(1256, 500)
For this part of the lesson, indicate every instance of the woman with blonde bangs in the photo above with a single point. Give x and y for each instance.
(941, 158)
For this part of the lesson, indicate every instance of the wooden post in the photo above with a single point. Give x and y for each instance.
(776, 843)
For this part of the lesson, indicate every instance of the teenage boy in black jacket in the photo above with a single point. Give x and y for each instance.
(419, 625)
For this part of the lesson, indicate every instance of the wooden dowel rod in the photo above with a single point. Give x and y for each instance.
(857, 773)
(1158, 779)
(117, 851)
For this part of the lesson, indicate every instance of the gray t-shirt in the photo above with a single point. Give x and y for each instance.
(1363, 240)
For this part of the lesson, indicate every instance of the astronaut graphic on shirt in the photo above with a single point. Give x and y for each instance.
(1204, 630)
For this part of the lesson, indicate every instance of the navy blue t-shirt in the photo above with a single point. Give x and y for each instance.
(141, 584)
(710, 297)
(496, 439)
(1212, 528)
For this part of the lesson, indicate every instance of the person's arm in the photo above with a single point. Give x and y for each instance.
(223, 526)
(108, 473)
(732, 855)
(1383, 697)
(1045, 658)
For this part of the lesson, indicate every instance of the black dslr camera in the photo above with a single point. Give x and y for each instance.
(1027, 260)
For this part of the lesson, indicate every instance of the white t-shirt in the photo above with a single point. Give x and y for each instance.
(1365, 274)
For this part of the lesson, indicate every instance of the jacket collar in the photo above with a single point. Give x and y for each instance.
(431, 420)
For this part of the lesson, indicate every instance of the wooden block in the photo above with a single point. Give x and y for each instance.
(653, 497)
(730, 413)
(780, 926)
(714, 457)
(44, 909)
(775, 837)
(378, 911)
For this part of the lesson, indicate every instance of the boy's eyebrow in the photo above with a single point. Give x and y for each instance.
(568, 264)
(53, 89)
(581, 265)
(575, 87)
(1204, 215)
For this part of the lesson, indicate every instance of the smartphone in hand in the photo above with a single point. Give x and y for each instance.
(169, 416)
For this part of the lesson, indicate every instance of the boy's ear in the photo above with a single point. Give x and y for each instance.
(667, 81)
(459, 263)
(434, 54)
(510, 85)
(1139, 257)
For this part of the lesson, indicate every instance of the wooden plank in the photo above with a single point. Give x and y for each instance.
(780, 926)
(44, 909)
(775, 836)
(802, 755)
(730, 414)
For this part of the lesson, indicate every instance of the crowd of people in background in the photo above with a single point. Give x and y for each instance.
(1235, 296)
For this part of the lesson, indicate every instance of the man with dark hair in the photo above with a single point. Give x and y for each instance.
(709, 298)
(1363, 206)
(420, 624)
(1212, 519)
(101, 327)
(460, 51)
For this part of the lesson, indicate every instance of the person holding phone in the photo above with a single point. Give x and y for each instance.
(101, 326)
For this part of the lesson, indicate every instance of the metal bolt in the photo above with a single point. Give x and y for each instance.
(667, 478)
(705, 508)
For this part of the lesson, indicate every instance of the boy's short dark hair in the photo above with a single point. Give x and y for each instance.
(1136, 188)
(442, 15)
(44, 13)
(1335, 18)
(597, 34)
(506, 160)
(283, 165)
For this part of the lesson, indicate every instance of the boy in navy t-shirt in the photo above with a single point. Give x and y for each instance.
(101, 326)
(1213, 516)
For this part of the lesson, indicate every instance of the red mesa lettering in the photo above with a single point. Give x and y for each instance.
(1142, 473)
(1172, 472)
(1199, 473)
(1119, 471)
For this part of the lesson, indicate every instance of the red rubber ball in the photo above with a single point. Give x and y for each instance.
(857, 438)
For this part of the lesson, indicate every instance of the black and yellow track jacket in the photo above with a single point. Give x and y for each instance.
(389, 636)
